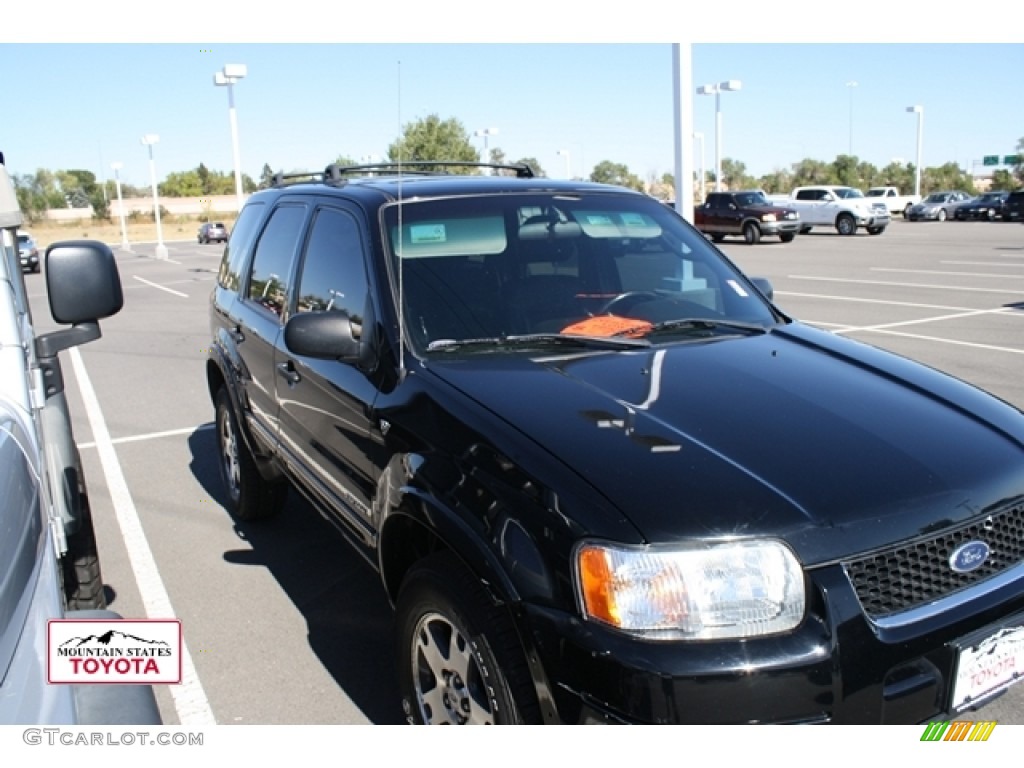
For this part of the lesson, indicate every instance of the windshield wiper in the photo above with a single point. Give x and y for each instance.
(702, 323)
(539, 339)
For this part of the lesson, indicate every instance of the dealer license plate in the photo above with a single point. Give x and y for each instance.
(988, 667)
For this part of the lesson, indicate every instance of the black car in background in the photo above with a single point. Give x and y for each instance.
(1013, 209)
(212, 232)
(603, 478)
(986, 207)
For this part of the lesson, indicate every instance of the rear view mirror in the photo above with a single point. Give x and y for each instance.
(82, 281)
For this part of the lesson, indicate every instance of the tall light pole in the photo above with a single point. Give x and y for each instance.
(703, 173)
(228, 76)
(487, 132)
(149, 140)
(920, 129)
(850, 85)
(125, 245)
(568, 163)
(716, 90)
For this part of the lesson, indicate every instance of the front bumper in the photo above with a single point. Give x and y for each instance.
(874, 220)
(928, 214)
(836, 667)
(29, 261)
(780, 227)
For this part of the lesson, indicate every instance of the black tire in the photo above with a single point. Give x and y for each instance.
(804, 230)
(442, 606)
(718, 238)
(906, 212)
(250, 496)
(787, 237)
(846, 224)
(80, 566)
(751, 233)
(876, 230)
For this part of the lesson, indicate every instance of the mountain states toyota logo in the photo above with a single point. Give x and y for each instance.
(114, 651)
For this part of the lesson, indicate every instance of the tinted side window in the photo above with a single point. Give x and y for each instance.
(806, 194)
(230, 275)
(272, 263)
(333, 271)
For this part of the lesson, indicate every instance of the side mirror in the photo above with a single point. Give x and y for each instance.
(323, 335)
(764, 286)
(82, 281)
(84, 287)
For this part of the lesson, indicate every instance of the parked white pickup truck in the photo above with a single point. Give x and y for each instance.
(894, 201)
(844, 208)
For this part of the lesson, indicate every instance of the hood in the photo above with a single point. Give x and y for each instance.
(833, 445)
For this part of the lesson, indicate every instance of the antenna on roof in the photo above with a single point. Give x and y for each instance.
(401, 238)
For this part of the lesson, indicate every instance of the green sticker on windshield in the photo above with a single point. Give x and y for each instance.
(427, 233)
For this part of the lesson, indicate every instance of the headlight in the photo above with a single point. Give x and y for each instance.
(767, 217)
(716, 591)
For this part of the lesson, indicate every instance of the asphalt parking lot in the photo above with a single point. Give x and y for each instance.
(282, 622)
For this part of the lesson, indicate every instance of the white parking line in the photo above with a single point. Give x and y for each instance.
(987, 263)
(151, 436)
(975, 345)
(161, 287)
(902, 285)
(189, 697)
(949, 274)
(915, 305)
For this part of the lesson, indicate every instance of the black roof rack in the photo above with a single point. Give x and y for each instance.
(420, 167)
(283, 179)
(334, 172)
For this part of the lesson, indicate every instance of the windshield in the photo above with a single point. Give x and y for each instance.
(849, 192)
(747, 199)
(936, 198)
(499, 267)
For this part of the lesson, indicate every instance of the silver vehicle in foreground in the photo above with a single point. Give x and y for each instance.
(938, 206)
(49, 567)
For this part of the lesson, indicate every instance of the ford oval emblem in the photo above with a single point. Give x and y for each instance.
(969, 557)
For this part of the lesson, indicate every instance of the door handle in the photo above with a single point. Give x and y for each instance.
(288, 372)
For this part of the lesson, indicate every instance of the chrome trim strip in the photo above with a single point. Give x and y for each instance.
(930, 610)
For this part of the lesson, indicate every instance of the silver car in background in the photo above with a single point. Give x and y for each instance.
(938, 206)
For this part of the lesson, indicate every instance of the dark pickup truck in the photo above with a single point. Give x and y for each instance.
(747, 214)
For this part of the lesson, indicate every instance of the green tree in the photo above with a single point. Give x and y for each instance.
(778, 182)
(266, 177)
(810, 172)
(1018, 169)
(181, 184)
(945, 177)
(607, 172)
(1004, 179)
(735, 176)
(431, 138)
(205, 182)
(845, 171)
(897, 175)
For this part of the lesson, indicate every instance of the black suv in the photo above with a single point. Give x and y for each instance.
(602, 476)
(1013, 208)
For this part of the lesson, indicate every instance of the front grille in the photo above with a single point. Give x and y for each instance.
(919, 572)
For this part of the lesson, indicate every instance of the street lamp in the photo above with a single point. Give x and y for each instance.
(703, 174)
(149, 140)
(716, 90)
(125, 245)
(486, 132)
(851, 85)
(920, 127)
(568, 163)
(228, 76)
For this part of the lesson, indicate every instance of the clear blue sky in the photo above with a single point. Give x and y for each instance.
(85, 104)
